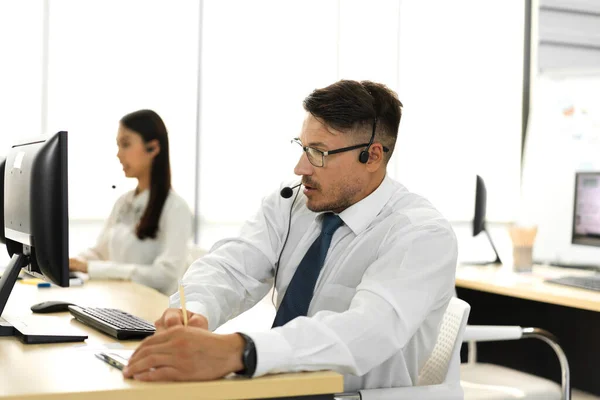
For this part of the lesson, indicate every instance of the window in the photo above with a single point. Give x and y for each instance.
(20, 71)
(111, 58)
(461, 84)
(457, 67)
(258, 64)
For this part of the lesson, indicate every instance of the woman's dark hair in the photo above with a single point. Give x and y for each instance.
(353, 106)
(150, 127)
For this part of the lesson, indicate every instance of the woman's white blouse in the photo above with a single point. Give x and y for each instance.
(159, 262)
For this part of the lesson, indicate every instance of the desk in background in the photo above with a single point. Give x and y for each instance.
(498, 296)
(71, 371)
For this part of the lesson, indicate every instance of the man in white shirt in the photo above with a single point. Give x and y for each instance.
(363, 276)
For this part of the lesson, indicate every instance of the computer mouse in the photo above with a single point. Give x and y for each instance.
(51, 307)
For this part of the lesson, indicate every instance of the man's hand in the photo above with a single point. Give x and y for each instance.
(75, 264)
(185, 354)
(174, 317)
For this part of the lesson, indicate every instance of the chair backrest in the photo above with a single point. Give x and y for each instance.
(447, 346)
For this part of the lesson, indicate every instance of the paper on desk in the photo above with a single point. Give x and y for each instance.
(123, 353)
(117, 358)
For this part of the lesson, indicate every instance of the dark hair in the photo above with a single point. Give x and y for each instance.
(353, 106)
(150, 127)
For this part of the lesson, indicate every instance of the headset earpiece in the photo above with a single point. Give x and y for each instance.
(363, 157)
(149, 149)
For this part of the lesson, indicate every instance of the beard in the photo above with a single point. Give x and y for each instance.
(339, 197)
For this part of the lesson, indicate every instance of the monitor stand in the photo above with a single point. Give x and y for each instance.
(20, 329)
(6, 329)
(7, 282)
(496, 261)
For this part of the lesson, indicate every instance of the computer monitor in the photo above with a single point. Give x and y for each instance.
(36, 213)
(479, 222)
(2, 237)
(586, 209)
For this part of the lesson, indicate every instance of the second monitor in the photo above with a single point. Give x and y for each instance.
(479, 218)
(586, 209)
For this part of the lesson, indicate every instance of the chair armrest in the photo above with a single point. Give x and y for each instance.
(487, 333)
(478, 333)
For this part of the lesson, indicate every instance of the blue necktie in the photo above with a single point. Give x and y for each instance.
(300, 291)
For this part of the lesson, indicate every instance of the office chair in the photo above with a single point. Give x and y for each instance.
(488, 381)
(439, 377)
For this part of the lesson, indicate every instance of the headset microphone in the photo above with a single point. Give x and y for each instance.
(287, 191)
(114, 186)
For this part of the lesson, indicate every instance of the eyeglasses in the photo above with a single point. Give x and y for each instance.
(317, 157)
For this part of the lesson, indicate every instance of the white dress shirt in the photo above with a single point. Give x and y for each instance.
(377, 304)
(159, 262)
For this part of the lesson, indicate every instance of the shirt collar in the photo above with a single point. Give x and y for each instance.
(359, 215)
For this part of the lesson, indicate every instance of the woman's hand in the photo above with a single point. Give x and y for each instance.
(75, 264)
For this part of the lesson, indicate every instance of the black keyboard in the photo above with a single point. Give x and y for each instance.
(583, 282)
(116, 323)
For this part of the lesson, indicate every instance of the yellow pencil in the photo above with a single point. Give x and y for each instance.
(31, 281)
(182, 300)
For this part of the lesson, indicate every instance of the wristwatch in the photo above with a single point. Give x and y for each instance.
(248, 357)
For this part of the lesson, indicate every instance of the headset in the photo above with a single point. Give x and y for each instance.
(363, 157)
(287, 192)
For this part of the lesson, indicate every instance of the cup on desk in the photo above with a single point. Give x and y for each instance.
(522, 238)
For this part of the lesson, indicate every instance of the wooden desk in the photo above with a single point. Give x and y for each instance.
(499, 296)
(71, 371)
(530, 286)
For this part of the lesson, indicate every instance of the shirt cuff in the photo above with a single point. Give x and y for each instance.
(108, 270)
(273, 352)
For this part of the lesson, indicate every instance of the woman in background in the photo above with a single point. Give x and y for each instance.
(145, 238)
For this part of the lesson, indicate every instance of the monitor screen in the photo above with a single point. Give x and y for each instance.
(36, 211)
(586, 209)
